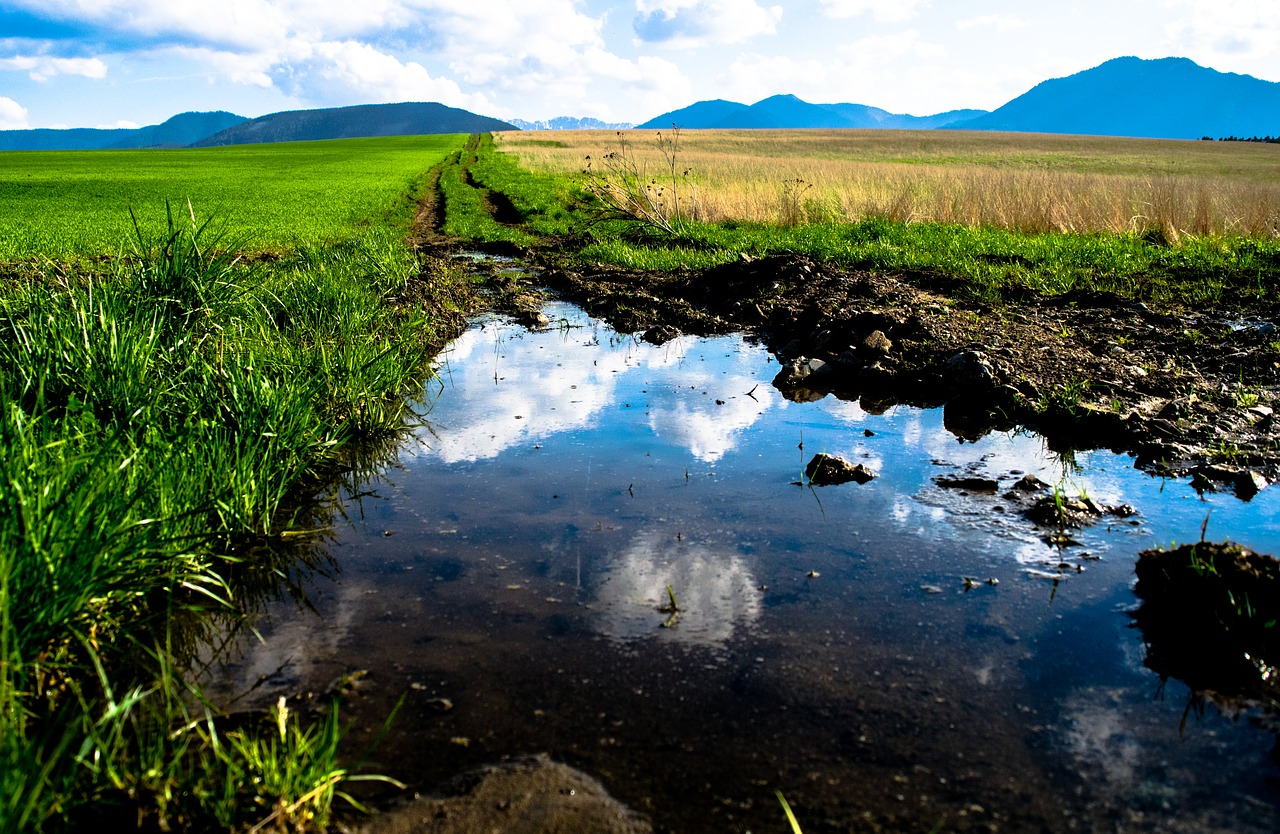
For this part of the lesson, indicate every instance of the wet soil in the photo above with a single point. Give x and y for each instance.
(1185, 391)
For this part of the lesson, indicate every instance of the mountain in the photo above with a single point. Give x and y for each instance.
(408, 119)
(1172, 98)
(179, 131)
(570, 123)
(787, 111)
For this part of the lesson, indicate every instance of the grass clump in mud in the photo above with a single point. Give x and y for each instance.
(155, 422)
(1209, 618)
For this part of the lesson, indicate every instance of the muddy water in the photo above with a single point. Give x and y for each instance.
(506, 577)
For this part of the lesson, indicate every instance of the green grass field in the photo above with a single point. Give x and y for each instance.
(62, 204)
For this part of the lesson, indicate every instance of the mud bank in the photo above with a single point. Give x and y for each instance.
(1187, 392)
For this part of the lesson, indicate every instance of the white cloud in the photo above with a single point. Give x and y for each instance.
(686, 23)
(885, 11)
(13, 116)
(1246, 32)
(348, 71)
(999, 22)
(121, 124)
(44, 67)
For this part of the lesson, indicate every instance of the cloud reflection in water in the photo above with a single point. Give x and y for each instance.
(715, 589)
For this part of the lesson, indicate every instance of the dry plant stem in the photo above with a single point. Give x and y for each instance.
(624, 187)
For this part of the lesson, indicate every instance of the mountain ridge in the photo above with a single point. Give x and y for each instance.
(1167, 98)
(789, 111)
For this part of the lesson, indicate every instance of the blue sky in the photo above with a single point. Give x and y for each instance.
(100, 63)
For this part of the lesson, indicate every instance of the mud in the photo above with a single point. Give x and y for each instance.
(1187, 392)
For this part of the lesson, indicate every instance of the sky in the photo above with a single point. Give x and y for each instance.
(126, 63)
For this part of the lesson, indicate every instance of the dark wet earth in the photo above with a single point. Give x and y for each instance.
(506, 577)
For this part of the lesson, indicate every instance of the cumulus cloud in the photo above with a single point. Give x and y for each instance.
(44, 67)
(348, 71)
(1242, 29)
(687, 23)
(885, 11)
(13, 116)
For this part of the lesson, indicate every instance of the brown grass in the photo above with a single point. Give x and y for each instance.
(1027, 182)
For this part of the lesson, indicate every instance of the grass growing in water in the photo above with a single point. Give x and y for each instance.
(153, 421)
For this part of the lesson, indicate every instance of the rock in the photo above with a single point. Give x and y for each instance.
(876, 342)
(1246, 483)
(660, 334)
(799, 377)
(970, 369)
(1059, 511)
(526, 796)
(1030, 483)
(829, 470)
(533, 319)
(972, 484)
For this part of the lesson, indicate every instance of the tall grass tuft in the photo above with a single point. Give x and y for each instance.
(155, 421)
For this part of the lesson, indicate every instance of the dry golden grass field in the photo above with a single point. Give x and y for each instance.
(1025, 182)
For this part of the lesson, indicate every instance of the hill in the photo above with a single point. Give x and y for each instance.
(179, 131)
(407, 119)
(788, 111)
(1171, 98)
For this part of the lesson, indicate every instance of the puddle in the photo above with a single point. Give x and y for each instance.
(507, 577)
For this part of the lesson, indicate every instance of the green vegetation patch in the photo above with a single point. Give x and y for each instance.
(63, 204)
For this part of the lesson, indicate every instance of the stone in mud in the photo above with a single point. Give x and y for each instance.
(804, 380)
(533, 319)
(968, 370)
(1059, 511)
(660, 334)
(532, 795)
(829, 470)
(877, 343)
(970, 483)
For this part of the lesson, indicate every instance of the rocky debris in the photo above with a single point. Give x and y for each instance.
(532, 795)
(1208, 619)
(830, 470)
(660, 334)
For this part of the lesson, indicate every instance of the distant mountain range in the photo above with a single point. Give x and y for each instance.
(1170, 98)
(570, 123)
(211, 129)
(180, 131)
(787, 111)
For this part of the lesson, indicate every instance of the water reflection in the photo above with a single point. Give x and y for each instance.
(715, 591)
(506, 388)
